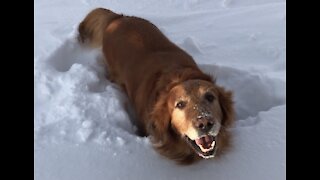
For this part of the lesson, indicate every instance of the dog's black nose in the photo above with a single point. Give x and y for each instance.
(204, 123)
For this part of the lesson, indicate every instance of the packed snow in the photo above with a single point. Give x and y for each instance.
(82, 129)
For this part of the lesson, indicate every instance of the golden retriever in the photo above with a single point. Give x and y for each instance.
(182, 109)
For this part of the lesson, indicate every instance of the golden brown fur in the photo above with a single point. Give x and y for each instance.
(154, 72)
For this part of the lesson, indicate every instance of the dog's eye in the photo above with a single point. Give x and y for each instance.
(181, 104)
(209, 97)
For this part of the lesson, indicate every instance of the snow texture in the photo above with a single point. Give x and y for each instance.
(82, 129)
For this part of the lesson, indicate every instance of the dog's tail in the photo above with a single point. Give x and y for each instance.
(92, 27)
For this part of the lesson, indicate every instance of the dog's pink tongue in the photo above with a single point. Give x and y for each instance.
(205, 141)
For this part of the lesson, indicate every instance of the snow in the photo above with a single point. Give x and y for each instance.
(82, 128)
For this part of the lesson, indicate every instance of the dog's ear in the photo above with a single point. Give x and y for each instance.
(160, 118)
(226, 103)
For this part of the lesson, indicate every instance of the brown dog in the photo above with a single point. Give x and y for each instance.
(180, 107)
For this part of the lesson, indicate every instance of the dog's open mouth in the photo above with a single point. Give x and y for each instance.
(205, 146)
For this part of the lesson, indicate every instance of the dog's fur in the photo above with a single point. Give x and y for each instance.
(156, 74)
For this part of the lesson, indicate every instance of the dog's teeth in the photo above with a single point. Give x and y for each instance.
(211, 147)
(213, 143)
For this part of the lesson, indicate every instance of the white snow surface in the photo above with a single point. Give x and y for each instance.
(82, 130)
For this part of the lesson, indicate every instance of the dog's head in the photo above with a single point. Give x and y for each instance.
(199, 112)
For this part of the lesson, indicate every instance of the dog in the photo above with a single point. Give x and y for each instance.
(182, 109)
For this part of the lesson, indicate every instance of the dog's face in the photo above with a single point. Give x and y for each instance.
(197, 115)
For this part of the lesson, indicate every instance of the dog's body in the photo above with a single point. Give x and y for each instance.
(155, 73)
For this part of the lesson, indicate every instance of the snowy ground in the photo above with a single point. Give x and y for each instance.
(82, 131)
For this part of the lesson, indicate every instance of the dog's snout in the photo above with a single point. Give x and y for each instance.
(204, 123)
